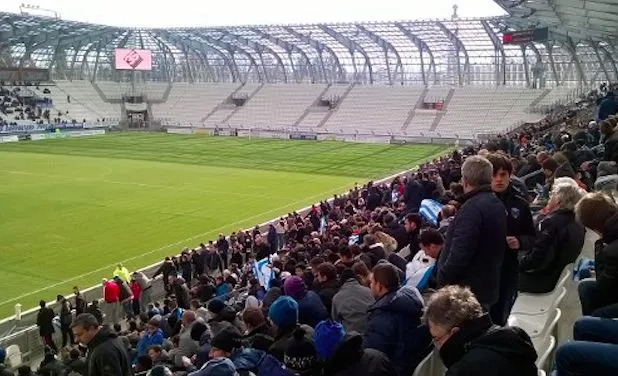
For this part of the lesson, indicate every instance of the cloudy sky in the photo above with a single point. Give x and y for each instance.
(153, 13)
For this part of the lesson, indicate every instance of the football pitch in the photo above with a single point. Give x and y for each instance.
(72, 208)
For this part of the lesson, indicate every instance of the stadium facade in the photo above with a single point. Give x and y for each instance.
(579, 51)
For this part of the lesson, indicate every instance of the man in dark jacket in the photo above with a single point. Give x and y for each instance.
(599, 213)
(394, 321)
(350, 359)
(397, 231)
(166, 269)
(474, 251)
(328, 285)
(470, 344)
(559, 242)
(107, 355)
(607, 107)
(520, 234)
(413, 195)
(46, 327)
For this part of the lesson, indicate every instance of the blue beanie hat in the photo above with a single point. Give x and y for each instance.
(2, 355)
(326, 337)
(284, 312)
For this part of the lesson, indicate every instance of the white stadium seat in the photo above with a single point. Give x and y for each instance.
(536, 304)
(538, 327)
(544, 351)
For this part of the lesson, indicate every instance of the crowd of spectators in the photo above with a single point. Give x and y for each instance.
(364, 284)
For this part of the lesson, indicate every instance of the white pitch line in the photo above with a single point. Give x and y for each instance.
(174, 187)
(170, 245)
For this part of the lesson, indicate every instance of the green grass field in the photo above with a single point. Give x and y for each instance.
(72, 208)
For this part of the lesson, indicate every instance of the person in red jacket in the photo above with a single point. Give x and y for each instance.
(137, 292)
(111, 298)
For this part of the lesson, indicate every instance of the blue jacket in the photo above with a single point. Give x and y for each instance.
(394, 328)
(149, 340)
(311, 310)
(247, 359)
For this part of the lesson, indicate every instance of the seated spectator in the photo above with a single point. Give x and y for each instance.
(300, 354)
(558, 243)
(158, 356)
(594, 350)
(222, 317)
(142, 365)
(75, 363)
(350, 304)
(152, 336)
(283, 314)
(259, 334)
(393, 324)
(201, 334)
(311, 310)
(228, 344)
(186, 345)
(373, 250)
(599, 213)
(328, 284)
(4, 370)
(468, 342)
(421, 267)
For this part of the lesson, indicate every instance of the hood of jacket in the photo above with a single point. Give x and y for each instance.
(405, 300)
(346, 353)
(510, 342)
(104, 334)
(247, 359)
(227, 314)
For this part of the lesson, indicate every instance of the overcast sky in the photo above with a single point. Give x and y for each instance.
(153, 13)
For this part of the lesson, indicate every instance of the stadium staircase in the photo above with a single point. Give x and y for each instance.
(332, 111)
(248, 99)
(540, 98)
(223, 109)
(313, 107)
(441, 113)
(412, 113)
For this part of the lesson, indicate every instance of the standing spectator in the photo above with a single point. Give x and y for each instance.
(186, 345)
(186, 265)
(223, 246)
(145, 285)
(393, 323)
(311, 310)
(470, 257)
(599, 213)
(412, 225)
(125, 296)
(136, 290)
(520, 234)
(46, 327)
(94, 310)
(166, 269)
(152, 336)
(469, 343)
(213, 261)
(413, 195)
(283, 313)
(300, 356)
(328, 285)
(66, 317)
(396, 230)
(122, 272)
(559, 242)
(80, 302)
(197, 257)
(607, 107)
(106, 353)
(111, 298)
(236, 257)
(259, 334)
(350, 304)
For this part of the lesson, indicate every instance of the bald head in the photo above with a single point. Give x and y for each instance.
(188, 317)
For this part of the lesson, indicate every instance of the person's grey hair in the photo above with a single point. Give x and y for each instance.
(477, 171)
(85, 320)
(566, 192)
(450, 306)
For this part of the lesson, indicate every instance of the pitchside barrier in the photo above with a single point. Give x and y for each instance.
(21, 328)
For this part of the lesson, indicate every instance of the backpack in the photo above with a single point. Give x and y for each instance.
(271, 366)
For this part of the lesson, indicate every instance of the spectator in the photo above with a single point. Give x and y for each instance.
(44, 320)
(166, 269)
(145, 285)
(136, 290)
(300, 354)
(153, 335)
(469, 343)
(412, 225)
(228, 344)
(599, 213)
(393, 324)
(4, 370)
(559, 242)
(65, 320)
(80, 302)
(421, 267)
(186, 345)
(470, 257)
(94, 310)
(106, 353)
(608, 107)
(202, 335)
(594, 351)
(311, 310)
(519, 230)
(122, 273)
(76, 363)
(350, 304)
(222, 317)
(260, 334)
(159, 357)
(283, 313)
(223, 247)
(362, 272)
(396, 230)
(328, 285)
(125, 296)
(111, 298)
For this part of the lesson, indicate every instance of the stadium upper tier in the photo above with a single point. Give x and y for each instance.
(433, 52)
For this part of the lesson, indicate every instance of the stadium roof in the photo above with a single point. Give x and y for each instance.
(453, 52)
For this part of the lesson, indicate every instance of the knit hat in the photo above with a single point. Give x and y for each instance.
(197, 330)
(284, 312)
(2, 354)
(300, 354)
(326, 337)
(252, 301)
(219, 367)
(294, 287)
(227, 339)
(159, 371)
(216, 306)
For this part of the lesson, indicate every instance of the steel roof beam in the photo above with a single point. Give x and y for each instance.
(352, 46)
(572, 49)
(320, 48)
(459, 47)
(499, 48)
(422, 47)
(288, 47)
(386, 46)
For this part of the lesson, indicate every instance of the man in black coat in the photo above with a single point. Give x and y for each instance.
(520, 234)
(107, 355)
(413, 195)
(396, 230)
(46, 328)
(474, 247)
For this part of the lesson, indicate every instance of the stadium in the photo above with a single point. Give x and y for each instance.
(129, 145)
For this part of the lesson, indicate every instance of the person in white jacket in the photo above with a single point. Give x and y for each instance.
(419, 269)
